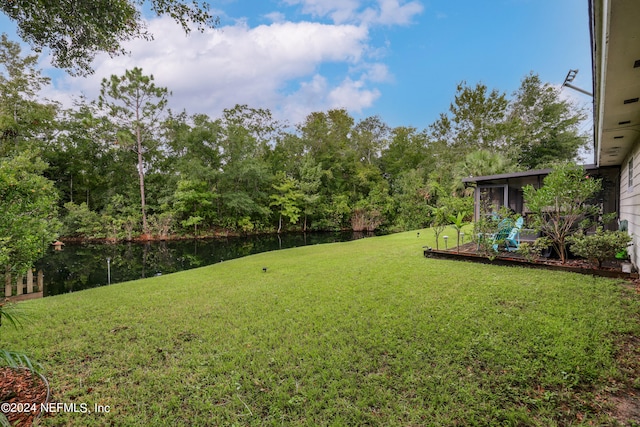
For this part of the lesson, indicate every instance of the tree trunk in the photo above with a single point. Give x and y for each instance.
(562, 251)
(145, 227)
(280, 224)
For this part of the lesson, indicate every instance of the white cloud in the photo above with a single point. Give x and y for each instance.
(237, 64)
(392, 12)
(275, 17)
(311, 96)
(377, 73)
(340, 11)
(353, 95)
(383, 12)
(316, 94)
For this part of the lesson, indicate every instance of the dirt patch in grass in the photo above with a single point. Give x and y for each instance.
(626, 400)
(19, 387)
(627, 409)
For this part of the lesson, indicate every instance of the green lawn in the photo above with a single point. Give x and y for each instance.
(361, 333)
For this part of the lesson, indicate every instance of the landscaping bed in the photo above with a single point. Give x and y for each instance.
(20, 387)
(467, 252)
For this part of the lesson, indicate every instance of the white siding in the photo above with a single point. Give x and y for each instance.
(630, 202)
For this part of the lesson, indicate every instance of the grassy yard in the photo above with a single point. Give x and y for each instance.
(361, 333)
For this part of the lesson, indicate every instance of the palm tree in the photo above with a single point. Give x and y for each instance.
(479, 163)
(458, 222)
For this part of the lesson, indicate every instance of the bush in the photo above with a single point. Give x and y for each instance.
(533, 251)
(562, 204)
(81, 221)
(245, 224)
(366, 219)
(161, 224)
(599, 246)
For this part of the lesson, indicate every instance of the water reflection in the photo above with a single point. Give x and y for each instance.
(83, 266)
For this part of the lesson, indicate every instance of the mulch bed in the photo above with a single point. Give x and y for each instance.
(22, 386)
(468, 252)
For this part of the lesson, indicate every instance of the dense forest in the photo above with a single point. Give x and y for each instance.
(125, 165)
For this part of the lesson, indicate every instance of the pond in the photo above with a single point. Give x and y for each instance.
(88, 265)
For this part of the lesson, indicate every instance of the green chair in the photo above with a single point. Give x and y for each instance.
(504, 228)
(512, 242)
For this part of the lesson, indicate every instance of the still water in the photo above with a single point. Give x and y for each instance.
(83, 266)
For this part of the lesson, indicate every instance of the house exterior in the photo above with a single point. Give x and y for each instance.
(494, 191)
(615, 47)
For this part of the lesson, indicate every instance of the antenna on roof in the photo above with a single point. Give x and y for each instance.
(567, 82)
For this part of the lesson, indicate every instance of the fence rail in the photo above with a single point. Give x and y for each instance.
(24, 285)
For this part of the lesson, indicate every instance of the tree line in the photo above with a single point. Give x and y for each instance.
(124, 165)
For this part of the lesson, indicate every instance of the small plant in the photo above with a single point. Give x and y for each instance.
(438, 222)
(533, 251)
(9, 315)
(623, 255)
(599, 246)
(481, 229)
(458, 222)
(12, 359)
(526, 250)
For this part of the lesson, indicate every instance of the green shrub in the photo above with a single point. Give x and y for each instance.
(81, 221)
(245, 224)
(599, 246)
(562, 204)
(161, 224)
(533, 250)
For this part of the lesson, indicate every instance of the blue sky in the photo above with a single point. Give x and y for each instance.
(399, 59)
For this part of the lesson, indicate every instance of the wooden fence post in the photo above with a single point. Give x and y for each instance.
(30, 281)
(8, 291)
(19, 286)
(40, 281)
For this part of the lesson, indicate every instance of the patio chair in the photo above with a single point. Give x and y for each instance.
(504, 228)
(512, 242)
(509, 233)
